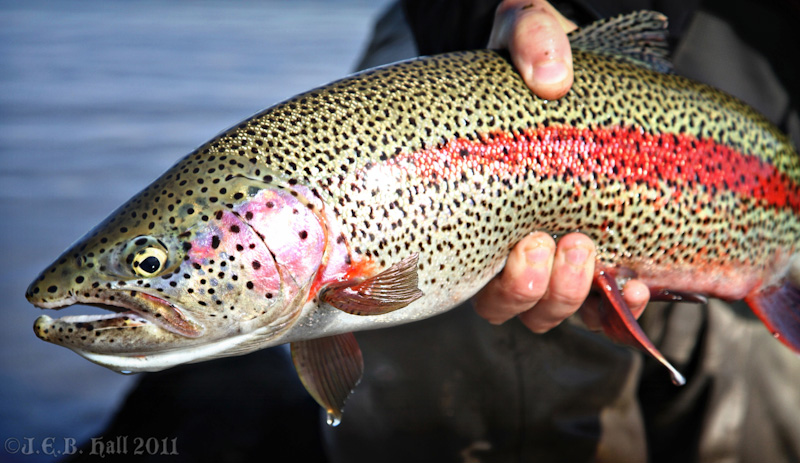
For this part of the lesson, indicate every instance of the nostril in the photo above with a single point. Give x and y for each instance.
(32, 290)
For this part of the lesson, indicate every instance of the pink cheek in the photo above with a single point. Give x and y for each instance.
(202, 250)
(291, 230)
(228, 237)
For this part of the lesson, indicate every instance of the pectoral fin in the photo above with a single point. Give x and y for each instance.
(620, 325)
(392, 289)
(330, 368)
(779, 308)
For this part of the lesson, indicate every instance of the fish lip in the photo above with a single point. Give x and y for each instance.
(147, 307)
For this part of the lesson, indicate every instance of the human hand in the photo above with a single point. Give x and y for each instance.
(536, 35)
(543, 283)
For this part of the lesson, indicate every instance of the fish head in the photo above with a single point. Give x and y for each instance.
(188, 273)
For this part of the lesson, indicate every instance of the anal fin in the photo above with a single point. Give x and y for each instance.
(779, 308)
(620, 325)
(329, 368)
(392, 289)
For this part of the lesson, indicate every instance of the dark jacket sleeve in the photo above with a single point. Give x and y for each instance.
(440, 26)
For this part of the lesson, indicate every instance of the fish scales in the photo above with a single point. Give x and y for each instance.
(340, 138)
(395, 194)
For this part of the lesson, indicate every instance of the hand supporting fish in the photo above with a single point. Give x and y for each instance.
(393, 195)
(544, 282)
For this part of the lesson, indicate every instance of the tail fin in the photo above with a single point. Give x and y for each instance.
(779, 308)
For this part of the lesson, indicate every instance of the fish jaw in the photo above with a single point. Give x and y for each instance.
(128, 341)
(139, 324)
(144, 307)
(147, 359)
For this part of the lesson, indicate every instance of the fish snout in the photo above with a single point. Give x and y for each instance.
(77, 272)
(52, 290)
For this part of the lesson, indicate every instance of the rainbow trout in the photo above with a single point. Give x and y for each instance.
(395, 194)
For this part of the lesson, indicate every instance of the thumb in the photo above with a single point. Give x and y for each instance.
(535, 34)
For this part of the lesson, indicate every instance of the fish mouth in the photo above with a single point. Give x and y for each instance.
(128, 309)
(141, 333)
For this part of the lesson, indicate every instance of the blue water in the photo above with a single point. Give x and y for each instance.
(97, 98)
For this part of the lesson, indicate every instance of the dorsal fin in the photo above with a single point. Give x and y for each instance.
(639, 38)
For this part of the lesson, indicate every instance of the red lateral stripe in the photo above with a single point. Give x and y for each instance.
(629, 155)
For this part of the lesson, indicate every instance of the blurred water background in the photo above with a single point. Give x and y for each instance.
(97, 98)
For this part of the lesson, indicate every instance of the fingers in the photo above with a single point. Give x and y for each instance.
(636, 295)
(522, 283)
(535, 34)
(570, 282)
(542, 283)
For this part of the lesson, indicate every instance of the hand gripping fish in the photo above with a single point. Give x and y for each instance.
(395, 194)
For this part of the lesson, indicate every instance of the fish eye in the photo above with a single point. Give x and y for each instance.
(149, 261)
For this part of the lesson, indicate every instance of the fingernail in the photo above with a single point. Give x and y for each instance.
(549, 72)
(576, 256)
(537, 256)
(538, 260)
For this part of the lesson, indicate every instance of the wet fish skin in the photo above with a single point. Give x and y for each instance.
(446, 160)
